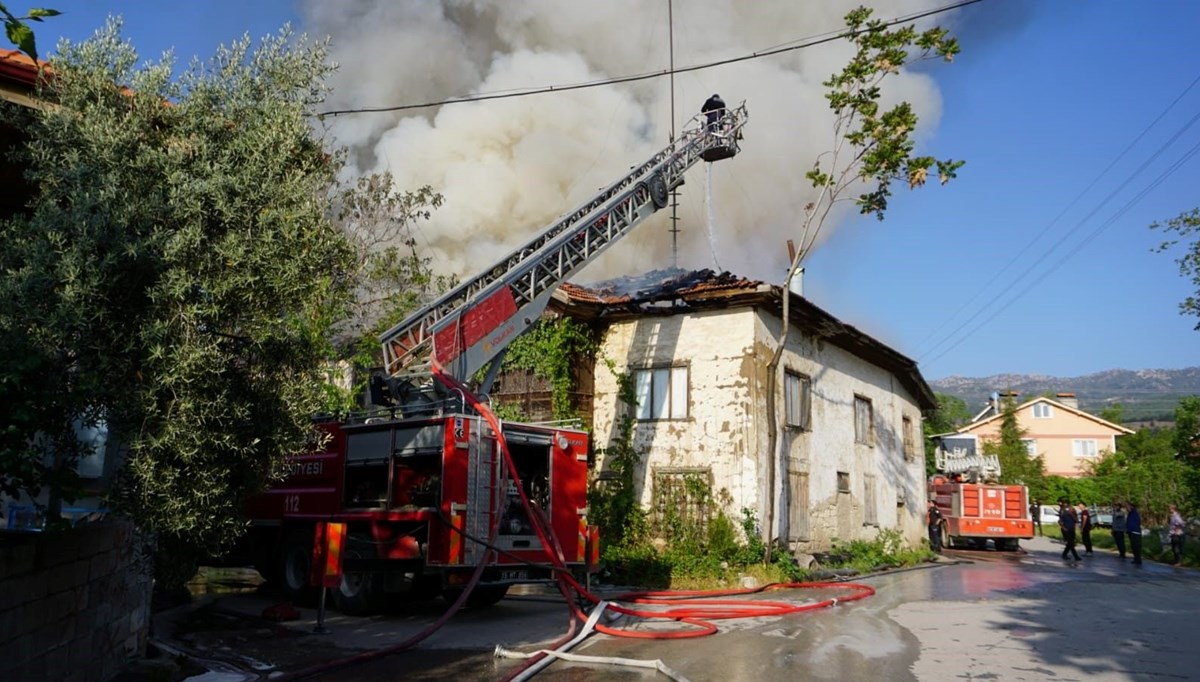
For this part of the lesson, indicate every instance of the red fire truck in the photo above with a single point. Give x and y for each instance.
(420, 480)
(977, 508)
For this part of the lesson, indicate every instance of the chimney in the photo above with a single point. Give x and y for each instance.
(1067, 399)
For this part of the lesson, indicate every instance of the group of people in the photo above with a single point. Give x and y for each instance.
(1126, 524)
(1080, 517)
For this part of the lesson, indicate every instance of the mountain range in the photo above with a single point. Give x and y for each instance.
(1145, 394)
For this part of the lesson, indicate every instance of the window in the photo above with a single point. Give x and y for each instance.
(843, 481)
(797, 400)
(662, 393)
(864, 421)
(910, 439)
(682, 499)
(1030, 446)
(1083, 447)
(1042, 411)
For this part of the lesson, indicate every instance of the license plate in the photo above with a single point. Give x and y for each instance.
(513, 575)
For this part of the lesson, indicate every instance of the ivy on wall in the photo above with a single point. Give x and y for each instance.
(551, 350)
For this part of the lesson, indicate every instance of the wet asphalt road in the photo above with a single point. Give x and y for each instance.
(975, 615)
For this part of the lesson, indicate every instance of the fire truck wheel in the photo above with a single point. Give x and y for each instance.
(947, 538)
(295, 565)
(360, 592)
(481, 596)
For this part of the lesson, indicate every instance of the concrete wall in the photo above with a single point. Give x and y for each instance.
(726, 353)
(74, 606)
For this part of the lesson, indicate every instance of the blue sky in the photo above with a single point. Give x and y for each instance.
(978, 277)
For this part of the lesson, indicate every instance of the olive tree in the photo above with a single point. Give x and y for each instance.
(175, 275)
(871, 151)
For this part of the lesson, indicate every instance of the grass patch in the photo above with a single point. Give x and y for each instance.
(721, 564)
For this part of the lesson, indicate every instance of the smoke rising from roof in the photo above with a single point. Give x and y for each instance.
(508, 167)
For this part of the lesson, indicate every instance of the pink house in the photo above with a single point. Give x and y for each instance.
(1067, 438)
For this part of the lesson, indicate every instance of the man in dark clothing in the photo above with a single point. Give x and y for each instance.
(933, 521)
(1035, 513)
(713, 109)
(1067, 522)
(1133, 528)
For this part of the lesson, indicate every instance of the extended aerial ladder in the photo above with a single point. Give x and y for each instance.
(974, 468)
(469, 327)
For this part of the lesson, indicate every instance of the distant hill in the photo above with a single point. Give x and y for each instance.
(1146, 394)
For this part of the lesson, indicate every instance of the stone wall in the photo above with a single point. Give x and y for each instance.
(74, 606)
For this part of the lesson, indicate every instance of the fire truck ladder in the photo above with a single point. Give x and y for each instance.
(978, 468)
(470, 326)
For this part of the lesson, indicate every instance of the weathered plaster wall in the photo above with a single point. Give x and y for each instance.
(829, 447)
(719, 431)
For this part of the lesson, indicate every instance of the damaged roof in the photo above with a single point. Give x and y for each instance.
(672, 291)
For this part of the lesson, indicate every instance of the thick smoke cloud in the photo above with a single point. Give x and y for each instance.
(508, 167)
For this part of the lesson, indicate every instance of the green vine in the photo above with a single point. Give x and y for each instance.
(551, 350)
(613, 505)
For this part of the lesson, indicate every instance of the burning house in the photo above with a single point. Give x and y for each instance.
(697, 345)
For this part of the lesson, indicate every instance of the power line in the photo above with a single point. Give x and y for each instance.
(1187, 156)
(1029, 269)
(525, 92)
(1129, 147)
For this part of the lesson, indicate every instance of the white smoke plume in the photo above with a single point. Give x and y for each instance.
(508, 167)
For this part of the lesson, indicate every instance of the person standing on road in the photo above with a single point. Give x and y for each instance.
(1133, 526)
(1175, 524)
(933, 521)
(1066, 522)
(1118, 528)
(1035, 513)
(1085, 528)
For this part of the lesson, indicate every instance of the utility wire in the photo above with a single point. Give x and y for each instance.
(1015, 259)
(1046, 254)
(524, 92)
(1187, 156)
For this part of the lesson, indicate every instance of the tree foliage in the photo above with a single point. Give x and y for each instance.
(392, 277)
(176, 274)
(872, 149)
(1183, 227)
(951, 413)
(1017, 465)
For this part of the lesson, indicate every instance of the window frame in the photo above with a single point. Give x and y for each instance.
(674, 393)
(1043, 407)
(803, 390)
(867, 438)
(1076, 448)
(843, 482)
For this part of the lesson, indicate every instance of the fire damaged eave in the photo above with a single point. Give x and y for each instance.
(723, 293)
